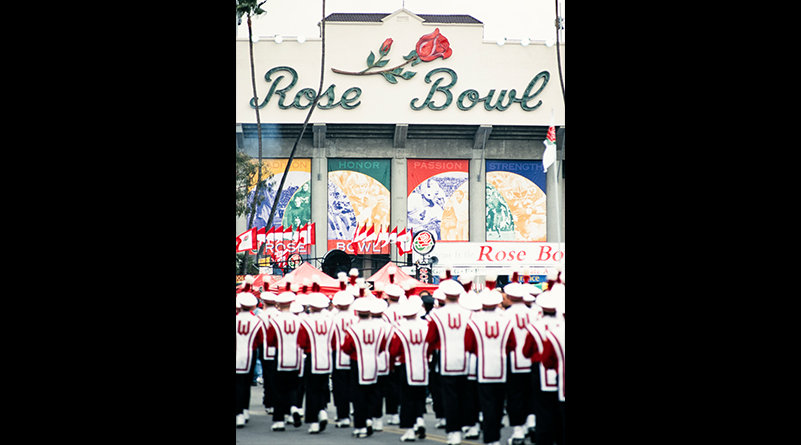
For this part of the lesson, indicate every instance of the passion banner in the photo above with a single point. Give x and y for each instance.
(515, 201)
(438, 198)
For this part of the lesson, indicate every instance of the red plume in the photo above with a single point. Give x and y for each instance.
(491, 281)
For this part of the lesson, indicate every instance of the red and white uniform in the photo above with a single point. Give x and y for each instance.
(534, 347)
(383, 356)
(249, 336)
(342, 321)
(283, 333)
(446, 332)
(520, 316)
(491, 337)
(409, 346)
(553, 357)
(391, 316)
(265, 315)
(364, 340)
(315, 339)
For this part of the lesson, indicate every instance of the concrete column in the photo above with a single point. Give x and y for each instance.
(319, 192)
(398, 195)
(552, 179)
(478, 198)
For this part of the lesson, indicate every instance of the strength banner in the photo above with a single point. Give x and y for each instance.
(438, 198)
(515, 201)
(294, 205)
(358, 194)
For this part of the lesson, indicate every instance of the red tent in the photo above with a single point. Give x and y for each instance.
(401, 277)
(328, 285)
(264, 280)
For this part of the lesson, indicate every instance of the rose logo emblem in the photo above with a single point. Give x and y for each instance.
(428, 48)
(433, 45)
(423, 242)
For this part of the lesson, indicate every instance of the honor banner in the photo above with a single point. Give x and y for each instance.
(358, 195)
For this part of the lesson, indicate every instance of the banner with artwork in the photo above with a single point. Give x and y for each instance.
(515, 201)
(294, 205)
(358, 196)
(438, 198)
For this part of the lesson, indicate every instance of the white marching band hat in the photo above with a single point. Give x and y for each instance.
(246, 299)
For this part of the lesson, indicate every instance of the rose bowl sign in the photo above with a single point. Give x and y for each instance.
(500, 254)
(404, 68)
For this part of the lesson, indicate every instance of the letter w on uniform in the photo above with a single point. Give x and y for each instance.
(455, 323)
(416, 337)
(369, 337)
(243, 330)
(490, 332)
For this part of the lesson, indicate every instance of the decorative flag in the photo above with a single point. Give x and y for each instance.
(393, 237)
(549, 157)
(288, 233)
(296, 235)
(370, 235)
(361, 234)
(280, 256)
(246, 240)
(302, 234)
(383, 236)
(312, 232)
(270, 236)
(404, 242)
(261, 236)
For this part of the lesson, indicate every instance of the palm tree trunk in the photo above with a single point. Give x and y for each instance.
(305, 123)
(245, 264)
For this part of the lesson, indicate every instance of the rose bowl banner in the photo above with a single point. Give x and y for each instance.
(499, 254)
(438, 198)
(358, 195)
(515, 201)
(294, 205)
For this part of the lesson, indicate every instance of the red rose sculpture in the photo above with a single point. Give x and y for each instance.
(433, 45)
(429, 47)
(385, 47)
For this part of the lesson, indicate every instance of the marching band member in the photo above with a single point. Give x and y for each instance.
(377, 314)
(395, 295)
(268, 357)
(471, 302)
(553, 357)
(340, 379)
(283, 335)
(447, 330)
(491, 337)
(314, 338)
(249, 337)
(363, 342)
(529, 298)
(545, 385)
(519, 386)
(433, 377)
(408, 345)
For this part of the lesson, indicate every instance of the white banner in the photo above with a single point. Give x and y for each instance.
(497, 255)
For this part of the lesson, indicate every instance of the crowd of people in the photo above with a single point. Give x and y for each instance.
(385, 350)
